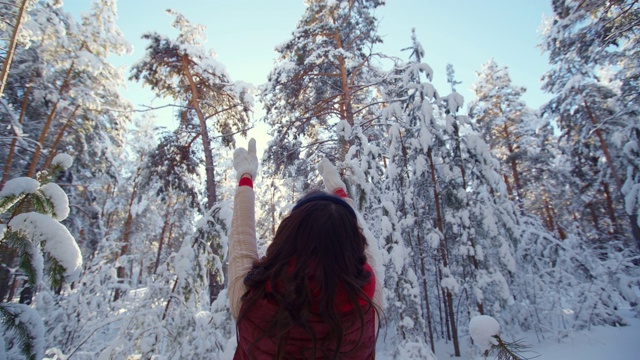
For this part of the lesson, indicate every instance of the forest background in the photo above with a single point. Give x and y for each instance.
(115, 226)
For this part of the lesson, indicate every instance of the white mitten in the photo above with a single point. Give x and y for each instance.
(246, 162)
(330, 176)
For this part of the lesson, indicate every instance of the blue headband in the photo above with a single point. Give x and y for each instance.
(326, 197)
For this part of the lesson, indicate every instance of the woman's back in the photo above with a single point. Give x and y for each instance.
(314, 294)
(358, 341)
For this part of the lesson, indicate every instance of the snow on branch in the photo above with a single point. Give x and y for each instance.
(55, 238)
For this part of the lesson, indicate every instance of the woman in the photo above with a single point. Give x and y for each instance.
(314, 294)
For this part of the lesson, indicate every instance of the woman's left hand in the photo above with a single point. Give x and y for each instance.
(246, 161)
(330, 176)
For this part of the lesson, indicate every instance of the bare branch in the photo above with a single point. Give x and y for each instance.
(152, 108)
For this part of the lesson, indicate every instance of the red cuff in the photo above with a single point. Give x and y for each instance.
(246, 181)
(340, 192)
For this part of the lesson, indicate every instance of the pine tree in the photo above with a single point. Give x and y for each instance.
(62, 92)
(19, 10)
(409, 100)
(43, 250)
(523, 142)
(406, 261)
(181, 69)
(323, 80)
(164, 296)
(500, 113)
(585, 39)
(463, 228)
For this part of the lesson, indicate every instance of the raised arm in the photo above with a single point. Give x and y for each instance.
(243, 250)
(334, 185)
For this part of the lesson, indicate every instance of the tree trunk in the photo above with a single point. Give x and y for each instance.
(548, 218)
(345, 100)
(273, 210)
(474, 260)
(549, 221)
(161, 242)
(8, 59)
(610, 209)
(421, 255)
(7, 260)
(443, 254)
(440, 300)
(206, 144)
(140, 272)
(124, 250)
(513, 162)
(215, 283)
(635, 229)
(423, 273)
(13, 288)
(594, 217)
(56, 142)
(401, 326)
(166, 307)
(14, 141)
(47, 125)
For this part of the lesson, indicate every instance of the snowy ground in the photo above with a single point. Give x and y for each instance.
(600, 343)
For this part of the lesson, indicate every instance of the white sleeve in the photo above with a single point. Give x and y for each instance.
(243, 250)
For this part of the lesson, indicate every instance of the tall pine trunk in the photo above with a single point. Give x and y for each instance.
(448, 297)
(8, 59)
(421, 255)
(124, 249)
(14, 141)
(167, 224)
(47, 126)
(206, 143)
(56, 142)
(635, 229)
(474, 260)
(346, 112)
(512, 161)
(215, 280)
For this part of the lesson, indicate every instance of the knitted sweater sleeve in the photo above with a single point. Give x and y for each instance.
(243, 251)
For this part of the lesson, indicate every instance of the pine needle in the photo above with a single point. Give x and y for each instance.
(509, 350)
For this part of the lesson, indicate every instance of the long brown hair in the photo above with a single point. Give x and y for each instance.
(317, 249)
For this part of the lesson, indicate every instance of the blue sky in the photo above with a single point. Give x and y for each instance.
(465, 33)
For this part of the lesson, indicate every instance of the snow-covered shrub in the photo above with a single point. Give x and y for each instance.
(566, 285)
(42, 252)
(485, 332)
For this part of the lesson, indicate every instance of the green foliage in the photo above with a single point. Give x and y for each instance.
(16, 318)
(169, 67)
(25, 253)
(49, 175)
(21, 245)
(22, 324)
(42, 204)
(55, 272)
(7, 202)
(24, 202)
(507, 350)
